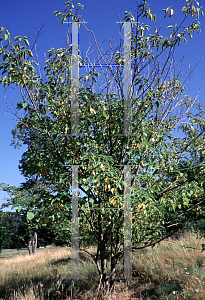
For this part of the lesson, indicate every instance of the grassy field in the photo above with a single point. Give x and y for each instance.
(173, 270)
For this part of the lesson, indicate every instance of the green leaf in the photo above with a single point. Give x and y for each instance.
(25, 39)
(18, 37)
(25, 105)
(104, 114)
(165, 43)
(14, 205)
(92, 201)
(4, 57)
(87, 188)
(6, 37)
(20, 208)
(30, 215)
(30, 53)
(62, 180)
(154, 17)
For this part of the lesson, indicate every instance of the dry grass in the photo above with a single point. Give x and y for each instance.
(173, 270)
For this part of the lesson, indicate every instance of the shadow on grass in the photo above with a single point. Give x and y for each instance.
(62, 261)
(144, 285)
(54, 282)
(49, 287)
(151, 290)
(147, 286)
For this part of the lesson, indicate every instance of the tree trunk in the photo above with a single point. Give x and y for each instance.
(108, 281)
(34, 244)
(29, 246)
(113, 262)
(105, 281)
(32, 241)
(112, 278)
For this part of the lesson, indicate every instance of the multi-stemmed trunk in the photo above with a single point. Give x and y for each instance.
(107, 281)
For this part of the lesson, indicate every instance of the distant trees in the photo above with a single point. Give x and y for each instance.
(26, 201)
(14, 234)
(11, 230)
(1, 239)
(31, 201)
(190, 178)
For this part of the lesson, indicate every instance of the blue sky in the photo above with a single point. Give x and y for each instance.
(25, 16)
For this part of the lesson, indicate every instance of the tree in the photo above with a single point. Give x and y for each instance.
(24, 199)
(31, 200)
(190, 176)
(159, 103)
(11, 228)
(1, 239)
(1, 231)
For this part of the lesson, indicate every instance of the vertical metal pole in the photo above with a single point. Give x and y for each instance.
(127, 79)
(127, 224)
(75, 226)
(74, 131)
(74, 81)
(127, 169)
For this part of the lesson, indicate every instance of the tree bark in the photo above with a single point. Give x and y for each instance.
(108, 281)
(105, 281)
(32, 241)
(29, 246)
(112, 278)
(34, 244)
